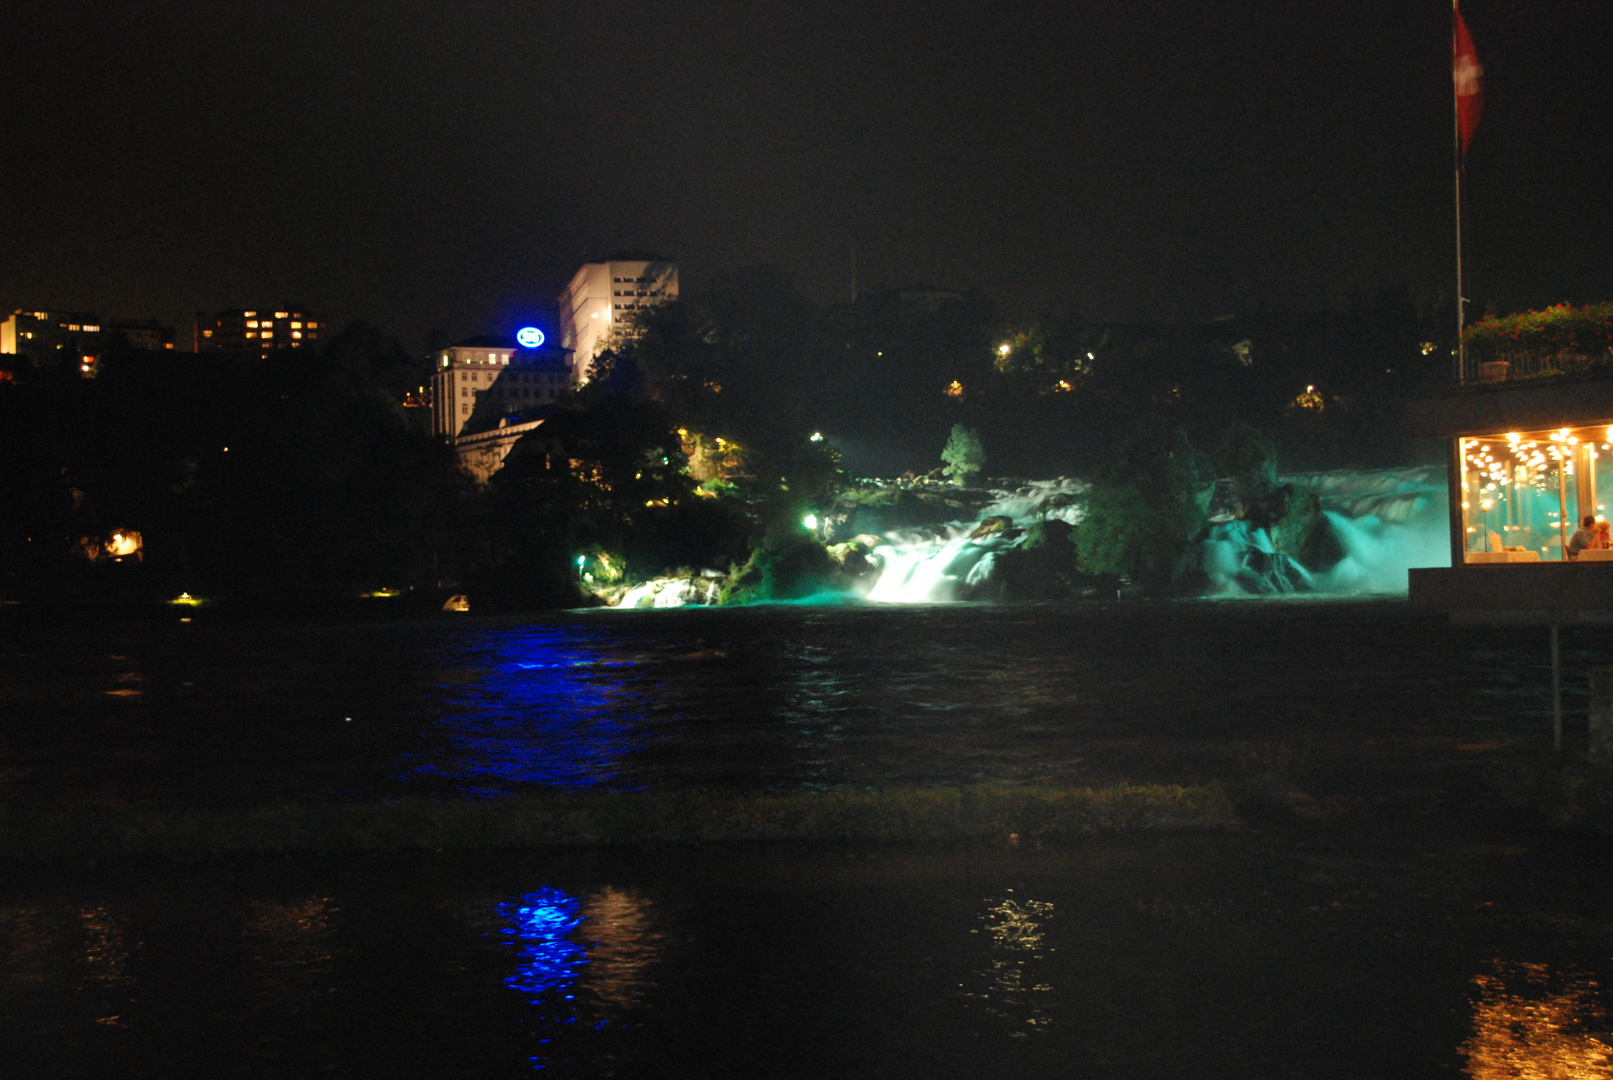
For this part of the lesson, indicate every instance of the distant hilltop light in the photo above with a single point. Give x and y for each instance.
(529, 337)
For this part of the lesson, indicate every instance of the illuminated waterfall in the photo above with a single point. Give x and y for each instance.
(1379, 523)
(919, 567)
(1383, 522)
(1386, 521)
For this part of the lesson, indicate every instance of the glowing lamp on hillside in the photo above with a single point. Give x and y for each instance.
(810, 521)
(123, 542)
(529, 337)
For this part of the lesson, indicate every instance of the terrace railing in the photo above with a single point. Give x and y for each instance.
(1523, 366)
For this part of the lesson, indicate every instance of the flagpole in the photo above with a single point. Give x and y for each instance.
(1456, 150)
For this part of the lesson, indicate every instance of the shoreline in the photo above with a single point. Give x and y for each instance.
(999, 815)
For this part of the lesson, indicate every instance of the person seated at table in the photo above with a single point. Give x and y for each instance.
(1584, 537)
(1603, 540)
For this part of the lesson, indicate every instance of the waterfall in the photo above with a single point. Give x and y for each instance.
(919, 567)
(1382, 521)
(1386, 521)
(1377, 524)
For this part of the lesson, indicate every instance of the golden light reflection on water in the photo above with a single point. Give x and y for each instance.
(82, 955)
(1532, 1024)
(130, 681)
(290, 942)
(625, 945)
(105, 955)
(1012, 990)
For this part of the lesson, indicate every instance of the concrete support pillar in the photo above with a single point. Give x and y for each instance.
(1556, 691)
(1602, 714)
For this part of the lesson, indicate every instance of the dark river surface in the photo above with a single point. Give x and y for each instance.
(1380, 914)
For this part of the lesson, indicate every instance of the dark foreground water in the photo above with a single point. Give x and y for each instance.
(1381, 915)
(215, 712)
(1193, 956)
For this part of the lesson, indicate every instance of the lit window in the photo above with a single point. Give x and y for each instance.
(73, 326)
(92, 329)
(252, 333)
(296, 326)
(253, 323)
(205, 333)
(280, 314)
(249, 314)
(313, 335)
(296, 333)
(268, 333)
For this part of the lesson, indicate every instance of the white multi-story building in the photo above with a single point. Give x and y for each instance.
(598, 305)
(485, 380)
(54, 339)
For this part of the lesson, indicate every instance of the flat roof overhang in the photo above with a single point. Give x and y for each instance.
(1495, 408)
(1541, 594)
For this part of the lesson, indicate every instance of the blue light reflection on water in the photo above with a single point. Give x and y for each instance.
(534, 705)
(538, 926)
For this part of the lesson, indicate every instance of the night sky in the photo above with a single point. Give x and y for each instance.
(449, 164)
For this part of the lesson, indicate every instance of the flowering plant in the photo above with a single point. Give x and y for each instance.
(1580, 335)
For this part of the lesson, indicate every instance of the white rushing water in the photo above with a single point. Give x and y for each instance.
(922, 567)
(1384, 521)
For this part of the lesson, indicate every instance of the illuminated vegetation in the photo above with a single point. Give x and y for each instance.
(965, 457)
(1569, 337)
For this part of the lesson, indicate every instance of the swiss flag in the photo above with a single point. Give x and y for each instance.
(1469, 78)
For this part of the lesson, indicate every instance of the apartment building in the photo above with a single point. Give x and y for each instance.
(597, 308)
(483, 380)
(261, 330)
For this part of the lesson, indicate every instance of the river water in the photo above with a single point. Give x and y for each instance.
(215, 712)
(1379, 915)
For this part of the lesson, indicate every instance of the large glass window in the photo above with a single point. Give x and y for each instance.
(1524, 493)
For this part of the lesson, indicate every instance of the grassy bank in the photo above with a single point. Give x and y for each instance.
(1576, 796)
(899, 816)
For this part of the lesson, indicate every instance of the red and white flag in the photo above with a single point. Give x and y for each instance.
(1469, 78)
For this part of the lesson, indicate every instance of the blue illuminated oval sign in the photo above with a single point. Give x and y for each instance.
(529, 337)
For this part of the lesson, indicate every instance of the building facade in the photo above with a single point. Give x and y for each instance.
(482, 381)
(51, 339)
(146, 334)
(77, 339)
(260, 330)
(598, 306)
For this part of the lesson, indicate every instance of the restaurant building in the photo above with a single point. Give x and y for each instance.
(1528, 460)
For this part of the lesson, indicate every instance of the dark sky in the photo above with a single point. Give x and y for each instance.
(448, 164)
